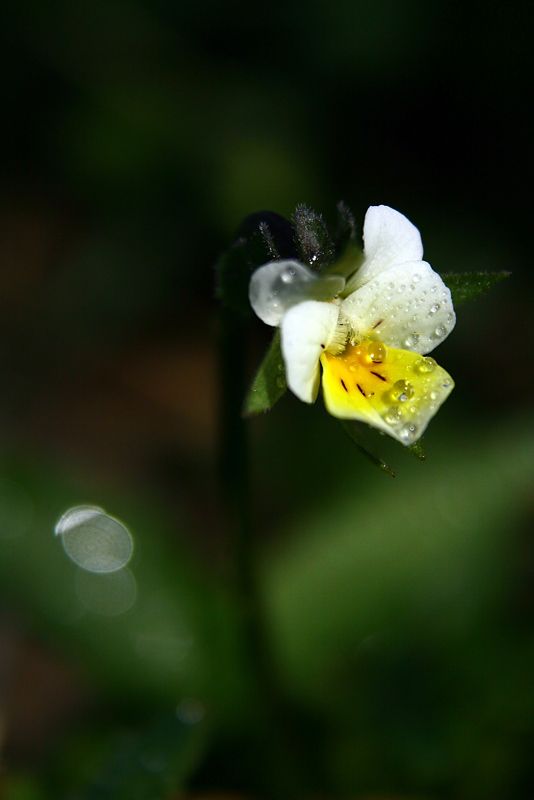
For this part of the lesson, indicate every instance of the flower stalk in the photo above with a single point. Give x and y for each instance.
(280, 758)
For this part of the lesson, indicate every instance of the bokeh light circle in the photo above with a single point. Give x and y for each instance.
(93, 540)
(107, 594)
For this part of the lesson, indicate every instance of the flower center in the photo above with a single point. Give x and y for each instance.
(369, 381)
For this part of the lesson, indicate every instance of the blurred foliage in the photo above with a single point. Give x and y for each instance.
(137, 135)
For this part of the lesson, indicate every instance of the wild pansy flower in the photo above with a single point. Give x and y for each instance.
(370, 333)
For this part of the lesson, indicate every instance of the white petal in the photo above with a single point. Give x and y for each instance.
(307, 329)
(277, 286)
(389, 239)
(407, 307)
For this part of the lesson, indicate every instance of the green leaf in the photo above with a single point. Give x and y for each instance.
(466, 286)
(269, 385)
(353, 431)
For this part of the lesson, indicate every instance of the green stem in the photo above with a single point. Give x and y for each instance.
(279, 748)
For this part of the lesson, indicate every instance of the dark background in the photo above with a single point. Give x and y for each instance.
(137, 135)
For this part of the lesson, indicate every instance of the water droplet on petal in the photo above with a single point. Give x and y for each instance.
(433, 309)
(393, 416)
(401, 391)
(425, 365)
(377, 352)
(288, 275)
(408, 432)
(412, 340)
(441, 330)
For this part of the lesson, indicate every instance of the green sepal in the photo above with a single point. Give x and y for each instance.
(353, 431)
(466, 286)
(349, 254)
(269, 384)
(314, 244)
(262, 237)
(348, 263)
(416, 449)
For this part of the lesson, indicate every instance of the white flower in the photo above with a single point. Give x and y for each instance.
(370, 334)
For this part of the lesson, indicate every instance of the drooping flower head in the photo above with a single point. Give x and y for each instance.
(370, 334)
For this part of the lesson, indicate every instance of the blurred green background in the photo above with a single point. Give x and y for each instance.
(137, 135)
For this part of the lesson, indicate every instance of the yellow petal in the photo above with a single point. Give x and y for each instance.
(396, 391)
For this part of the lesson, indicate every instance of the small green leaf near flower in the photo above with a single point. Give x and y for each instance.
(269, 384)
(467, 286)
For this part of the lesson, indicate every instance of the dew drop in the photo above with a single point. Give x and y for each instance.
(361, 354)
(377, 351)
(393, 416)
(440, 331)
(416, 278)
(401, 391)
(288, 275)
(433, 309)
(425, 365)
(408, 432)
(94, 541)
(412, 339)
(446, 383)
